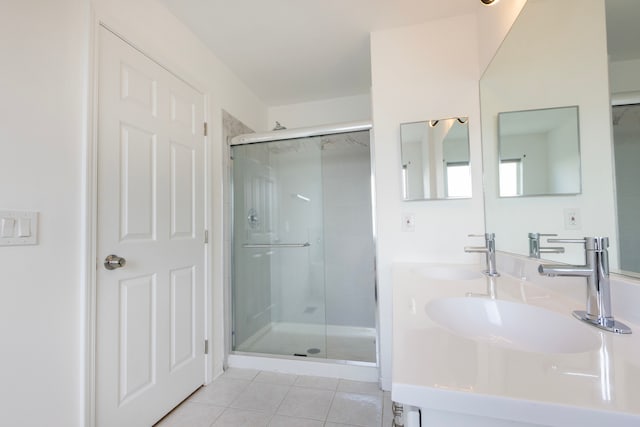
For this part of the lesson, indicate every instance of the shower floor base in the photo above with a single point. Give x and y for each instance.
(309, 340)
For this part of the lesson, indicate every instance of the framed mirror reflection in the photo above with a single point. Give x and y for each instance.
(435, 159)
(539, 152)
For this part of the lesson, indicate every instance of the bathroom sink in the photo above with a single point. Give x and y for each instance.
(439, 272)
(512, 325)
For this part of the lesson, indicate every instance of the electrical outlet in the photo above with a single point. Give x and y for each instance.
(572, 219)
(408, 222)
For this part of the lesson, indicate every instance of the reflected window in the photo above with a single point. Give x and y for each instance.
(511, 177)
(548, 142)
(458, 176)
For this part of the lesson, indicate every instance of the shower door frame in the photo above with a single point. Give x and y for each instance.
(618, 100)
(257, 138)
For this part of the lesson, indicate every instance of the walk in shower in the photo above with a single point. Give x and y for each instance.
(303, 279)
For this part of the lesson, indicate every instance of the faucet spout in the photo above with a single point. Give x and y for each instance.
(553, 270)
(480, 249)
(489, 250)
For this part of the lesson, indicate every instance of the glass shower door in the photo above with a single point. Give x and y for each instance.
(278, 288)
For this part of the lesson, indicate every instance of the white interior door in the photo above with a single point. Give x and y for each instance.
(150, 313)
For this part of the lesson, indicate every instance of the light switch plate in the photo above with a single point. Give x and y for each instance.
(18, 228)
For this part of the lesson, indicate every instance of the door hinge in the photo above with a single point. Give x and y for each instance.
(206, 236)
(206, 129)
(206, 346)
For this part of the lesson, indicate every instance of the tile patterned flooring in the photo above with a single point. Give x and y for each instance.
(252, 398)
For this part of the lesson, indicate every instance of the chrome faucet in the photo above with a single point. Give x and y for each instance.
(596, 271)
(492, 289)
(535, 249)
(489, 249)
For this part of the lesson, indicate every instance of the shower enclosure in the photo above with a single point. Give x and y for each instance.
(303, 280)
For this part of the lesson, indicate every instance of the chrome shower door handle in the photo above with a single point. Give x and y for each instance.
(111, 262)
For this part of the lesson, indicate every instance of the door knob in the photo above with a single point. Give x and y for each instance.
(112, 262)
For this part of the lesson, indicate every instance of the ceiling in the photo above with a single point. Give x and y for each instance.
(290, 51)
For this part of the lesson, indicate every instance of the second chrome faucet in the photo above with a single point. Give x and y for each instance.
(535, 249)
(489, 249)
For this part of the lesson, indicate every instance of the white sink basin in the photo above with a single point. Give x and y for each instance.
(439, 272)
(512, 325)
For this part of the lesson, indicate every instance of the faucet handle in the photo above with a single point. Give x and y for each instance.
(486, 236)
(537, 236)
(583, 241)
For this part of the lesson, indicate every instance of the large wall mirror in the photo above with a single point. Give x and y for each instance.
(435, 159)
(556, 54)
(539, 152)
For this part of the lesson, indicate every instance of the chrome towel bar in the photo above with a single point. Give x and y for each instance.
(276, 245)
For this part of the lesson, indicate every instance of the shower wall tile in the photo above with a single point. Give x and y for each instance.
(233, 127)
(349, 247)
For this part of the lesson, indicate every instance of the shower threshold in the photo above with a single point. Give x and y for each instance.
(344, 343)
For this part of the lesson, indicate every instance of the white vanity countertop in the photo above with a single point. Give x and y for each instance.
(437, 369)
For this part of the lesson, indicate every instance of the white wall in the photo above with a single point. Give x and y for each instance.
(415, 79)
(551, 68)
(328, 111)
(45, 49)
(563, 162)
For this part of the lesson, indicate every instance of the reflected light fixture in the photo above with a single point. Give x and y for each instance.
(489, 2)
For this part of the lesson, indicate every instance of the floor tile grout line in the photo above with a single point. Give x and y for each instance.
(326, 420)
(239, 394)
(291, 387)
(306, 418)
(282, 401)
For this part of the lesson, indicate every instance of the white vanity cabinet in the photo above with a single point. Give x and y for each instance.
(463, 373)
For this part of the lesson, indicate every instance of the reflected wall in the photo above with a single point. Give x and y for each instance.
(555, 55)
